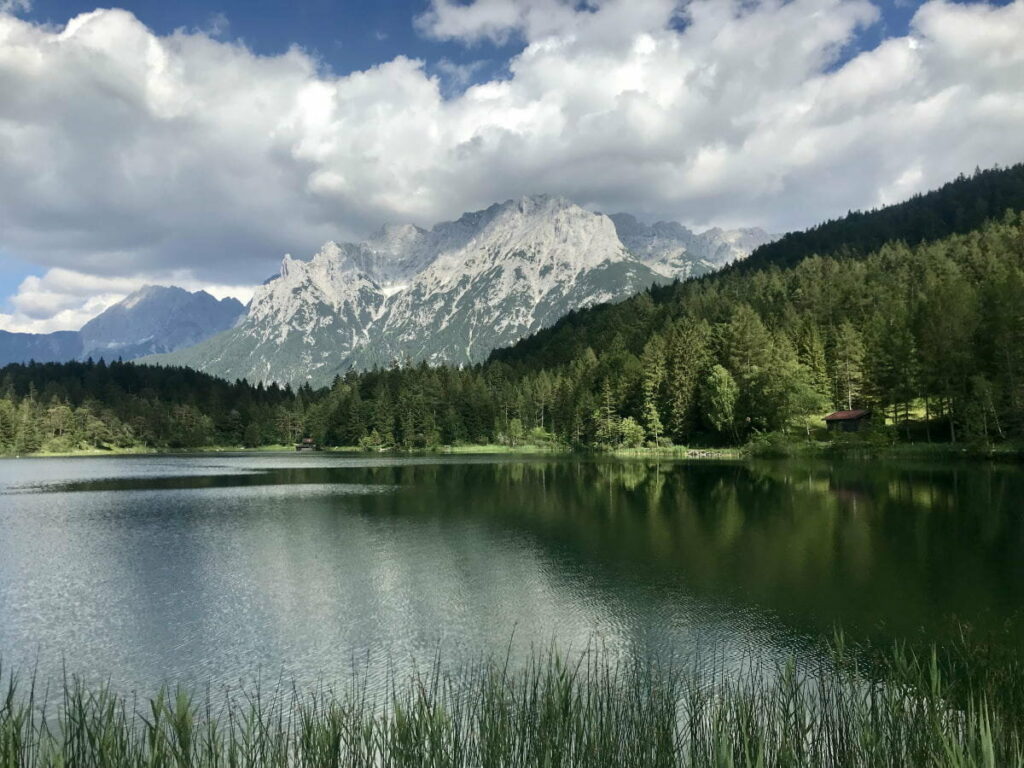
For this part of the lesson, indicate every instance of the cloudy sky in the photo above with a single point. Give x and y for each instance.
(196, 142)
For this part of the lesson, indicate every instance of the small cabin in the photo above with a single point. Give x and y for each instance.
(307, 444)
(848, 421)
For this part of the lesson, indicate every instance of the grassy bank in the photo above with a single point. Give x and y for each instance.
(557, 449)
(113, 451)
(679, 452)
(875, 445)
(920, 711)
(145, 450)
(676, 452)
(497, 449)
(768, 446)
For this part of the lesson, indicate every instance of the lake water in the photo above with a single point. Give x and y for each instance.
(211, 569)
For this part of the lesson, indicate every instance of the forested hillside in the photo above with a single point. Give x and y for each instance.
(75, 406)
(930, 336)
(955, 208)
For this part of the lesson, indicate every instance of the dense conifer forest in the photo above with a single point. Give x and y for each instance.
(955, 208)
(76, 406)
(930, 336)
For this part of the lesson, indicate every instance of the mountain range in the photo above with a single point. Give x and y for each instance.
(151, 320)
(453, 293)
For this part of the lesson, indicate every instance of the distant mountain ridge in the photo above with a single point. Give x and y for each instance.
(157, 319)
(675, 251)
(152, 320)
(452, 293)
(55, 347)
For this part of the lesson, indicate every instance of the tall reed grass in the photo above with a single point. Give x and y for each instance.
(910, 710)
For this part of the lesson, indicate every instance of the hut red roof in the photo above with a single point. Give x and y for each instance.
(847, 415)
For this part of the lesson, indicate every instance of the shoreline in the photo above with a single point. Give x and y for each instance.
(791, 451)
(451, 450)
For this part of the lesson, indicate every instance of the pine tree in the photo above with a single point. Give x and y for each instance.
(8, 425)
(719, 394)
(811, 353)
(688, 356)
(653, 364)
(848, 366)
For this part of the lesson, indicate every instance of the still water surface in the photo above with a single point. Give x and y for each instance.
(210, 569)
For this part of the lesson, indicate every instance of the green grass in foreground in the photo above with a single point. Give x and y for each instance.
(929, 711)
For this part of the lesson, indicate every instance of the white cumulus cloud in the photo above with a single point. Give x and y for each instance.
(126, 155)
(497, 20)
(15, 6)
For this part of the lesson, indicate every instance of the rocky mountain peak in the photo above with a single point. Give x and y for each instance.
(451, 293)
(286, 268)
(673, 250)
(396, 238)
(542, 203)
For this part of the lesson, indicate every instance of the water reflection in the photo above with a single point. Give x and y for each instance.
(202, 570)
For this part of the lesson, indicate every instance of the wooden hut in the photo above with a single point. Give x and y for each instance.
(307, 444)
(848, 421)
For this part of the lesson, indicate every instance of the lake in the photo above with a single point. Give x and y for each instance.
(213, 569)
